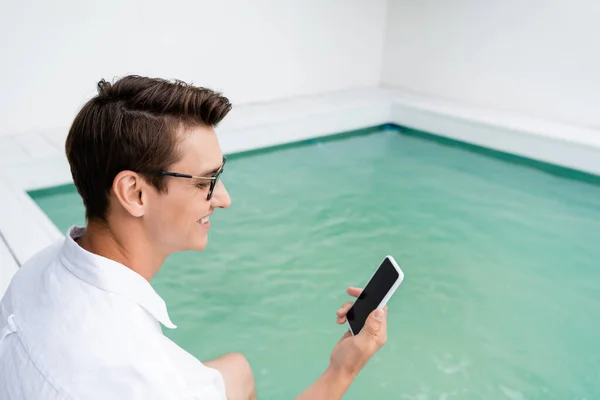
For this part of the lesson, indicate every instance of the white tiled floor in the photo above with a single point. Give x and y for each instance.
(11, 151)
(36, 159)
(8, 266)
(37, 145)
(582, 135)
(24, 226)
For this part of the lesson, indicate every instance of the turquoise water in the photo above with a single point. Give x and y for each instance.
(501, 297)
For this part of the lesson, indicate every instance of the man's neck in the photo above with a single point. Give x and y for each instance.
(124, 245)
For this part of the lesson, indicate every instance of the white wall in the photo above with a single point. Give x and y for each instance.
(537, 58)
(54, 52)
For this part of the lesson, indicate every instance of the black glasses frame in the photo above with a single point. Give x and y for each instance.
(214, 179)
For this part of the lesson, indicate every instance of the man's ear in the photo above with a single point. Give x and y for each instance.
(128, 188)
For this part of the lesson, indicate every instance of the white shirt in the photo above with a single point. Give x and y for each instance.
(75, 325)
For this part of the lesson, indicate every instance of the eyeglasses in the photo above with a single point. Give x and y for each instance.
(213, 179)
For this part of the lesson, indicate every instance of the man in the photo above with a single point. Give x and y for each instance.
(80, 320)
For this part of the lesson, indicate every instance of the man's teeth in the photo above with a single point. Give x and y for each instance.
(204, 220)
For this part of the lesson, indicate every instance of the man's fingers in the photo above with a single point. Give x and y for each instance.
(344, 309)
(341, 313)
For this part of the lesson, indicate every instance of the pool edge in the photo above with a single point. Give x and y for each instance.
(547, 167)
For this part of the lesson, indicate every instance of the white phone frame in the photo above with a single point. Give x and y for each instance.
(389, 293)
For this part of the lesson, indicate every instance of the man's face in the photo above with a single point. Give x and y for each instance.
(177, 220)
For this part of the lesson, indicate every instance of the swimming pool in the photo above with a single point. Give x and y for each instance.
(500, 298)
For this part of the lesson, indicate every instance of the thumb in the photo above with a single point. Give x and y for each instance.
(374, 322)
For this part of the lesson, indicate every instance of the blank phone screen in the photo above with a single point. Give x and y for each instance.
(372, 295)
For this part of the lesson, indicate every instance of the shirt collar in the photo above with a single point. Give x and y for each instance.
(112, 276)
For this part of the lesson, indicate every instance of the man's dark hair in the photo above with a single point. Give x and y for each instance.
(134, 124)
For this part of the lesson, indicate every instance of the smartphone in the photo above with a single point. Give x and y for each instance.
(375, 294)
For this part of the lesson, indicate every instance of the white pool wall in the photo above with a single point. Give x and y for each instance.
(53, 53)
(535, 58)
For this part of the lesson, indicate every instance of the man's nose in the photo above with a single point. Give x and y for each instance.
(220, 197)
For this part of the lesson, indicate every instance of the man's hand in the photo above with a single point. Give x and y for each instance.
(341, 313)
(350, 354)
